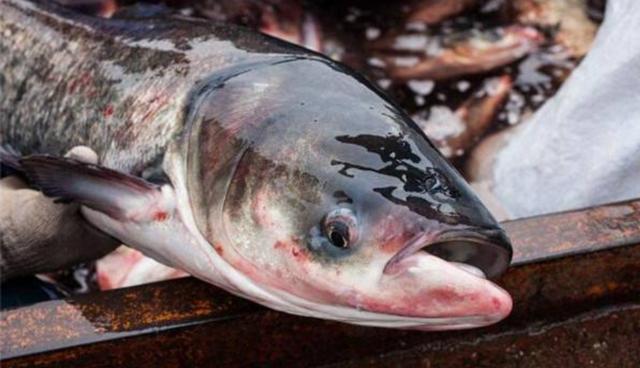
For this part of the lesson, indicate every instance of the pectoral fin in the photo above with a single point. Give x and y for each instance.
(119, 195)
(9, 161)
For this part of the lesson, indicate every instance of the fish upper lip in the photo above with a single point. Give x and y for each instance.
(494, 243)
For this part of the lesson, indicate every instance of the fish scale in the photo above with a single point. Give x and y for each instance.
(118, 86)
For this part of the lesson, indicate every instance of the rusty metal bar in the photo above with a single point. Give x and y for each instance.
(574, 232)
(576, 278)
(602, 338)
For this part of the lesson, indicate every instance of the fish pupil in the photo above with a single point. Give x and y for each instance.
(338, 235)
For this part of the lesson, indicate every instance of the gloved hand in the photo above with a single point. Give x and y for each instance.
(38, 235)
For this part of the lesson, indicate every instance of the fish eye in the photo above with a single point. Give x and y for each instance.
(340, 228)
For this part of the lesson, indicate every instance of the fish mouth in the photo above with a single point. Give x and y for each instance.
(483, 252)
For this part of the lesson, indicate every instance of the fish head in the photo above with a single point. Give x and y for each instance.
(309, 182)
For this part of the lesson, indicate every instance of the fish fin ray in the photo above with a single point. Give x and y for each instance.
(119, 195)
(9, 161)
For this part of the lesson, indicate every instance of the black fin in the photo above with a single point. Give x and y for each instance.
(115, 193)
(9, 161)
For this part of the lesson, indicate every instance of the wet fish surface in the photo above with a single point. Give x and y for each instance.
(253, 164)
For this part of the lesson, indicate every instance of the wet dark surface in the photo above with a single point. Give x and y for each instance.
(575, 286)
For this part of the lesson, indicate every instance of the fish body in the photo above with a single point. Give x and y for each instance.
(250, 163)
(126, 267)
(569, 21)
(118, 86)
(435, 11)
(416, 56)
(454, 133)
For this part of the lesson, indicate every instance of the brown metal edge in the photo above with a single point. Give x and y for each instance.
(603, 338)
(574, 232)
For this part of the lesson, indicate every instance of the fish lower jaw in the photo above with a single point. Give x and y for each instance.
(446, 295)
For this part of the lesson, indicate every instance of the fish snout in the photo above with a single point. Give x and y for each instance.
(443, 295)
(497, 305)
(441, 278)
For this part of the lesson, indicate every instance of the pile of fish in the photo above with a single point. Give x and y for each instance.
(440, 57)
(220, 158)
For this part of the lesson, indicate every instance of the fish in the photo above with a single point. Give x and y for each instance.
(101, 8)
(421, 57)
(454, 133)
(284, 19)
(255, 165)
(435, 11)
(568, 21)
(126, 267)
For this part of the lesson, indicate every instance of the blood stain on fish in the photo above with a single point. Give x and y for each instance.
(160, 216)
(108, 111)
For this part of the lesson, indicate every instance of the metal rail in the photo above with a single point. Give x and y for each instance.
(575, 283)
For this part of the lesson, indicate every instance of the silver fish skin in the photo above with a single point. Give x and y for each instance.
(118, 86)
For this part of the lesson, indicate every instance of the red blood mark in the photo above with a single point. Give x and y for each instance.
(218, 248)
(81, 81)
(391, 234)
(293, 247)
(104, 282)
(160, 216)
(259, 210)
(296, 251)
(155, 104)
(444, 302)
(393, 245)
(496, 303)
(108, 111)
(299, 254)
(73, 85)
